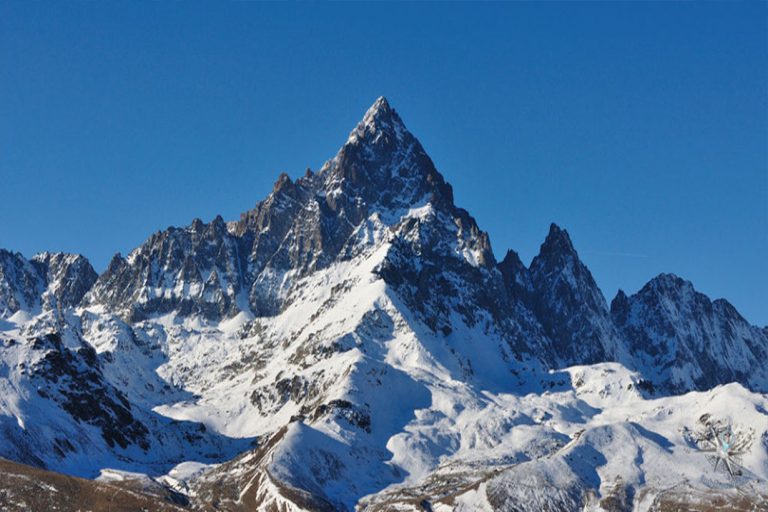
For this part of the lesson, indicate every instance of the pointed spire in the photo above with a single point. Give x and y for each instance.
(379, 120)
(558, 242)
(218, 223)
(380, 105)
(115, 264)
(380, 109)
(511, 266)
(569, 303)
(197, 225)
(382, 166)
(620, 306)
(285, 185)
(515, 274)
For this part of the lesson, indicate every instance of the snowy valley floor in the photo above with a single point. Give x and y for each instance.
(597, 446)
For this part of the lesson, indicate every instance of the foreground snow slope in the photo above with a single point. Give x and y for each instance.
(620, 450)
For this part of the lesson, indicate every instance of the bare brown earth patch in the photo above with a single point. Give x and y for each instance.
(27, 489)
(709, 501)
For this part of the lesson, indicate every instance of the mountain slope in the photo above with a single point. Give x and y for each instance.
(27, 488)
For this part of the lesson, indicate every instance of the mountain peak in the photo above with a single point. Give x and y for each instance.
(569, 303)
(380, 120)
(557, 242)
(382, 165)
(620, 306)
(381, 104)
(516, 275)
(667, 283)
(380, 108)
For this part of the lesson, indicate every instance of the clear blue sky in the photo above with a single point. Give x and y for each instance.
(641, 128)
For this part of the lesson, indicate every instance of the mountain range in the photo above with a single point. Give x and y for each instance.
(351, 342)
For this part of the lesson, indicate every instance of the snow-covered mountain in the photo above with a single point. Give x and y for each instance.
(48, 282)
(351, 341)
(678, 336)
(566, 301)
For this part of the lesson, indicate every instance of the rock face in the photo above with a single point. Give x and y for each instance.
(678, 336)
(68, 278)
(73, 380)
(50, 281)
(191, 271)
(565, 299)
(20, 284)
(357, 323)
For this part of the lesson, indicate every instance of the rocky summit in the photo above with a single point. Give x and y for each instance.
(351, 343)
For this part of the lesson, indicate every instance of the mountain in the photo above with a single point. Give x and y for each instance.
(678, 336)
(49, 281)
(569, 305)
(351, 341)
(192, 271)
(20, 283)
